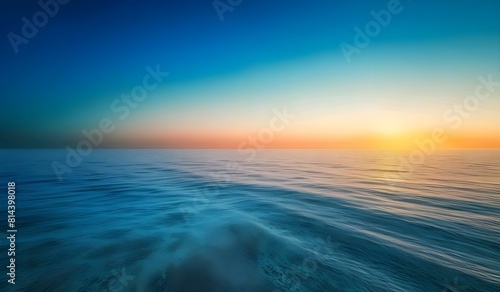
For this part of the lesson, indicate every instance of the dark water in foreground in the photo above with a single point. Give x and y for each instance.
(168, 220)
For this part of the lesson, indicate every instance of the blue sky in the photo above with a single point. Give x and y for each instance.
(91, 52)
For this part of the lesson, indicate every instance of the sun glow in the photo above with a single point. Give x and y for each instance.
(389, 127)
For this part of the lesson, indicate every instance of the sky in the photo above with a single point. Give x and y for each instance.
(264, 74)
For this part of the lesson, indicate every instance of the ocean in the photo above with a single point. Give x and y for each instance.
(284, 220)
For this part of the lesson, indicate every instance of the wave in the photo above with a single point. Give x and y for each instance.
(155, 220)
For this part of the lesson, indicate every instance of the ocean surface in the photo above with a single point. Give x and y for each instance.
(284, 220)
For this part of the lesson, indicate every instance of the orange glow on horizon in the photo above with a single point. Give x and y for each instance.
(400, 141)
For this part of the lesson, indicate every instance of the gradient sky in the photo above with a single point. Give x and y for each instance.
(227, 77)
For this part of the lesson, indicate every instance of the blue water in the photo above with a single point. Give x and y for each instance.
(193, 220)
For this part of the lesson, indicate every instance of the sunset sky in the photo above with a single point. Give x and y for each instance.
(228, 78)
